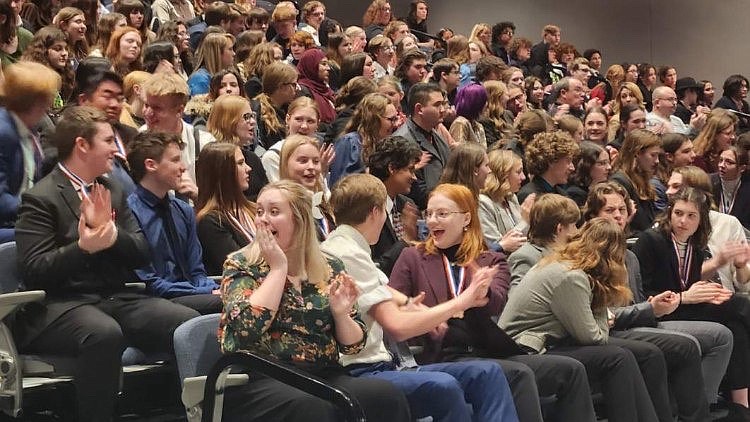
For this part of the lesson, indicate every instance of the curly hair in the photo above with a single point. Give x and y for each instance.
(260, 57)
(36, 51)
(596, 200)
(372, 12)
(599, 251)
(548, 147)
(391, 155)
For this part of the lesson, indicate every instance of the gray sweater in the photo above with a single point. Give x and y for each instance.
(552, 304)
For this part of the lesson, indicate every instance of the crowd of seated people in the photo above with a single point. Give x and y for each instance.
(546, 226)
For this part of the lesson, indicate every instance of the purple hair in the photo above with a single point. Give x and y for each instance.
(470, 101)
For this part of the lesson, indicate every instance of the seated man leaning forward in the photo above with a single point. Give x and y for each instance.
(79, 242)
(176, 269)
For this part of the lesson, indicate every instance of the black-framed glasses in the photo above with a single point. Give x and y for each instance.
(248, 117)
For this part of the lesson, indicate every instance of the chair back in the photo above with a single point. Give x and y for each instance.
(196, 345)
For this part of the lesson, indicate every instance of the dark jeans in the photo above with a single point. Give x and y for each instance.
(95, 336)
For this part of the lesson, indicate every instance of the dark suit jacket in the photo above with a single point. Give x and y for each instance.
(658, 261)
(645, 209)
(50, 259)
(539, 186)
(741, 207)
(387, 250)
(11, 169)
(429, 176)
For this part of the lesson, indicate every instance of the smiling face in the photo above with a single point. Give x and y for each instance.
(275, 214)
(685, 219)
(596, 127)
(76, 28)
(445, 221)
(100, 149)
(304, 165)
(130, 47)
(169, 169)
(559, 171)
(401, 179)
(243, 170)
(303, 121)
(57, 54)
(106, 97)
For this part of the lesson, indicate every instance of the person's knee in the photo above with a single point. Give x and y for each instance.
(440, 384)
(104, 336)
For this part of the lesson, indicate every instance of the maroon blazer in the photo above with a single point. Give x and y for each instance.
(416, 272)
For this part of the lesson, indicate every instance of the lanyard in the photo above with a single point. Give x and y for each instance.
(456, 286)
(724, 205)
(684, 264)
(75, 179)
(120, 148)
(242, 224)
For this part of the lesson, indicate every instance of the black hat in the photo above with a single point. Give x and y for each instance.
(687, 83)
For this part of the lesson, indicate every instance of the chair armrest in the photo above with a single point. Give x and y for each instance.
(137, 286)
(10, 301)
(281, 372)
(192, 387)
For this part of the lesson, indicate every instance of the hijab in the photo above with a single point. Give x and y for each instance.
(309, 78)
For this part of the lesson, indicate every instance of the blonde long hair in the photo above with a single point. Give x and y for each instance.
(305, 239)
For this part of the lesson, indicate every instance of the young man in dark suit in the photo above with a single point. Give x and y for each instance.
(393, 161)
(78, 240)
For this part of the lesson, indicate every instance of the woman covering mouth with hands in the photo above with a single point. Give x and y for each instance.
(283, 298)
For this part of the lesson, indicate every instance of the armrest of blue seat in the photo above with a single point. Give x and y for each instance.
(10, 301)
(286, 374)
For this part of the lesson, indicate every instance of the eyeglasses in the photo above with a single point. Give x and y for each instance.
(440, 214)
(672, 100)
(248, 117)
(507, 32)
(393, 119)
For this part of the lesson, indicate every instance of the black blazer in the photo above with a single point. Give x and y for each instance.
(50, 259)
(741, 207)
(218, 239)
(658, 262)
(645, 209)
(538, 186)
(387, 250)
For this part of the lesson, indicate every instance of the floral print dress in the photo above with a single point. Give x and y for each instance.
(301, 331)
